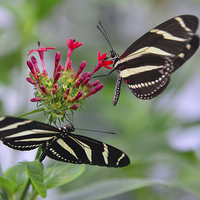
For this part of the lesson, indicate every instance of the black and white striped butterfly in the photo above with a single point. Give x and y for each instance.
(147, 64)
(59, 143)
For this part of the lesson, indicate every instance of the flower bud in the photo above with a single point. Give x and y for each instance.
(79, 94)
(74, 107)
(36, 99)
(30, 80)
(86, 81)
(57, 76)
(95, 83)
(35, 63)
(30, 65)
(55, 87)
(81, 67)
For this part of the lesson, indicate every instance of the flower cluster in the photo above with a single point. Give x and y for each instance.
(66, 90)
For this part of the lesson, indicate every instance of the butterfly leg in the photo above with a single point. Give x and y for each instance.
(45, 148)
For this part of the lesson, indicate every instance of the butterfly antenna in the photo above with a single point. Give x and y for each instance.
(83, 129)
(102, 30)
(71, 118)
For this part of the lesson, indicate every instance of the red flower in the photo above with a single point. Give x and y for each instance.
(101, 62)
(40, 50)
(71, 45)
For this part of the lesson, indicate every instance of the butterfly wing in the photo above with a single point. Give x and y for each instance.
(23, 134)
(79, 149)
(147, 64)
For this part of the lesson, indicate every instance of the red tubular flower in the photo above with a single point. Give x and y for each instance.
(70, 65)
(57, 60)
(59, 68)
(95, 83)
(35, 63)
(30, 65)
(41, 54)
(40, 50)
(85, 81)
(101, 62)
(74, 107)
(67, 91)
(81, 67)
(77, 84)
(57, 76)
(65, 96)
(84, 76)
(78, 96)
(30, 80)
(42, 87)
(55, 87)
(71, 45)
(95, 90)
(36, 99)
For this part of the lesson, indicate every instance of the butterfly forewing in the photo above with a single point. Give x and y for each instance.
(171, 36)
(80, 149)
(24, 134)
(147, 64)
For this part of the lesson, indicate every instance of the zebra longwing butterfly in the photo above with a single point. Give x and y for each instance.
(147, 64)
(59, 143)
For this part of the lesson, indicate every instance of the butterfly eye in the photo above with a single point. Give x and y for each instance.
(112, 54)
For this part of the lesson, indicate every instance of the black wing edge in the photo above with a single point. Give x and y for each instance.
(189, 51)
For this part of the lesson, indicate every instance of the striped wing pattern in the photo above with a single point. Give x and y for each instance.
(147, 64)
(23, 134)
(59, 144)
(79, 149)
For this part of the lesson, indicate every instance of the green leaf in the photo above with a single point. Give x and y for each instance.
(35, 171)
(61, 174)
(110, 188)
(17, 175)
(7, 185)
(31, 112)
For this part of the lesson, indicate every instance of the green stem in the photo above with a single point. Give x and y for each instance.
(22, 197)
(28, 183)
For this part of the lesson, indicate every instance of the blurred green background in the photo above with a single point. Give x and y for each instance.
(161, 136)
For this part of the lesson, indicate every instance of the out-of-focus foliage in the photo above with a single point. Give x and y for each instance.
(161, 136)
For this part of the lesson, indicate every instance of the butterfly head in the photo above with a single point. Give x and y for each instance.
(113, 54)
(68, 129)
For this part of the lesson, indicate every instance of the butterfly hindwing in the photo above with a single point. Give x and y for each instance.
(79, 149)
